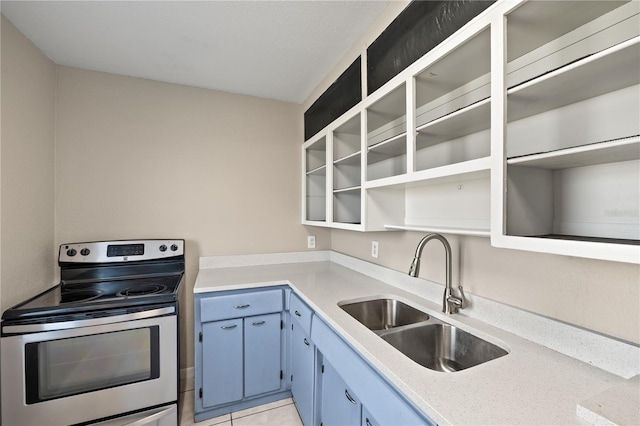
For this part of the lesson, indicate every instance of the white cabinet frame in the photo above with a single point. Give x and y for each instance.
(467, 194)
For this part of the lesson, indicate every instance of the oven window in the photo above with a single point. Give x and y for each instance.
(59, 368)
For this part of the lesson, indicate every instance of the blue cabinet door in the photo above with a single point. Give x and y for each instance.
(367, 418)
(262, 369)
(340, 406)
(221, 362)
(302, 372)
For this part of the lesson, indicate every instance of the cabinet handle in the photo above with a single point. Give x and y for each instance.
(351, 400)
(242, 306)
(306, 342)
(257, 323)
(368, 423)
(227, 327)
(298, 313)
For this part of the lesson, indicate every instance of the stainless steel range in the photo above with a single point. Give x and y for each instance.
(101, 347)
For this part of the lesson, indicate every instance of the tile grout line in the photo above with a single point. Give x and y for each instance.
(258, 412)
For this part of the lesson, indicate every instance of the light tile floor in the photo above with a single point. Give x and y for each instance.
(279, 413)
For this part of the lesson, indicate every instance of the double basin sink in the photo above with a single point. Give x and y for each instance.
(426, 340)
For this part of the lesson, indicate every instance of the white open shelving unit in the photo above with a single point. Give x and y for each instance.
(522, 126)
(314, 188)
(567, 169)
(347, 174)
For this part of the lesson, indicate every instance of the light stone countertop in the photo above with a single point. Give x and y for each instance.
(532, 385)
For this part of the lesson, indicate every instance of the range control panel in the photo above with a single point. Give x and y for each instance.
(119, 251)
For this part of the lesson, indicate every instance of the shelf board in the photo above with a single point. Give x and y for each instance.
(312, 222)
(590, 239)
(441, 230)
(349, 189)
(466, 170)
(470, 119)
(392, 147)
(318, 170)
(351, 159)
(603, 72)
(349, 226)
(587, 155)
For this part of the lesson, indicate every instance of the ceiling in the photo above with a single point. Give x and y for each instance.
(271, 49)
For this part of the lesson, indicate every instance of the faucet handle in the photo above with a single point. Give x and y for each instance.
(463, 299)
(455, 303)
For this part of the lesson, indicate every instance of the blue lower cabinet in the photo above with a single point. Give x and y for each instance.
(302, 373)
(240, 361)
(381, 403)
(222, 362)
(262, 371)
(241, 358)
(340, 406)
(250, 360)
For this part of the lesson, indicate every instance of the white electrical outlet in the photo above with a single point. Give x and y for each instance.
(311, 241)
(374, 249)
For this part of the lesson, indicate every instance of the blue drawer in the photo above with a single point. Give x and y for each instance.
(216, 308)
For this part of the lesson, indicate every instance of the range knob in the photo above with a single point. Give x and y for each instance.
(163, 248)
(174, 247)
(71, 252)
(85, 251)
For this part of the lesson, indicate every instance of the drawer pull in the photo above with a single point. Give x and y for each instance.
(298, 313)
(257, 323)
(228, 327)
(242, 306)
(306, 342)
(351, 400)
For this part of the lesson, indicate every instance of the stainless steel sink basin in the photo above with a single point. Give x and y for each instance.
(430, 342)
(443, 347)
(384, 314)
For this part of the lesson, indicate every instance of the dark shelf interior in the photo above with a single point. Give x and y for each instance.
(341, 96)
(420, 27)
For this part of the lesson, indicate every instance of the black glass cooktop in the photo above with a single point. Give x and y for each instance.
(75, 297)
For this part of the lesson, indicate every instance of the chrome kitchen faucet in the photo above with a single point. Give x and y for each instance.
(450, 303)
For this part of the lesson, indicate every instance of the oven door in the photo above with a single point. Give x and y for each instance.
(96, 369)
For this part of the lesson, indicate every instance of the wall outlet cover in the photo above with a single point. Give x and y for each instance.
(311, 241)
(374, 249)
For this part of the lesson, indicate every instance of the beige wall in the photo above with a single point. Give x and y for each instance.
(142, 159)
(597, 295)
(27, 162)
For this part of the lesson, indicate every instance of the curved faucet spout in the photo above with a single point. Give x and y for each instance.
(450, 303)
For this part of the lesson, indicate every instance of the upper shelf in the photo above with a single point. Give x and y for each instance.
(536, 23)
(606, 71)
(321, 170)
(586, 155)
(392, 147)
(466, 170)
(468, 120)
(442, 230)
(348, 160)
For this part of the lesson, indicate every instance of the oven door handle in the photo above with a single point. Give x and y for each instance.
(153, 417)
(35, 328)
